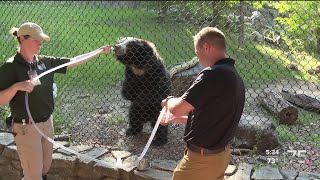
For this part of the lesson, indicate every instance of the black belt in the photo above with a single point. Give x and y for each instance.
(203, 151)
(28, 121)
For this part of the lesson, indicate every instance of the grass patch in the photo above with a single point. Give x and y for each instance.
(59, 123)
(262, 64)
(306, 119)
(286, 134)
(75, 29)
(116, 119)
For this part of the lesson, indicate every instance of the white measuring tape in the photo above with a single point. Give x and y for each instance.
(119, 162)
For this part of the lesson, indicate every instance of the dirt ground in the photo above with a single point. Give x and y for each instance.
(106, 122)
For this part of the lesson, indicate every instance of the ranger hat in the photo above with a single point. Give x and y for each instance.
(33, 30)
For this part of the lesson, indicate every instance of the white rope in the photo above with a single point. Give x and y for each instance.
(72, 61)
(119, 163)
(57, 144)
(151, 136)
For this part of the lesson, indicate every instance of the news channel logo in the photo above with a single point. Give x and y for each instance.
(274, 156)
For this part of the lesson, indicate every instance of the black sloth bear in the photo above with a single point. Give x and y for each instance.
(146, 84)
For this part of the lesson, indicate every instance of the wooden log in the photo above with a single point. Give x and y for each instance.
(302, 100)
(274, 102)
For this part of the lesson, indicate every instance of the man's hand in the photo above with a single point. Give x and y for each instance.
(165, 101)
(169, 118)
(177, 106)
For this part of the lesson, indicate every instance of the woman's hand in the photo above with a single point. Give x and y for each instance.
(106, 49)
(27, 86)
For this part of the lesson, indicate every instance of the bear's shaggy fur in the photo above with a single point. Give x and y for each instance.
(146, 84)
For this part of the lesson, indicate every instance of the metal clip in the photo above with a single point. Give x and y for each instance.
(144, 164)
(23, 126)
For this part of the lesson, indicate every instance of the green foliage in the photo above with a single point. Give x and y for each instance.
(116, 119)
(194, 11)
(4, 112)
(258, 4)
(59, 123)
(300, 21)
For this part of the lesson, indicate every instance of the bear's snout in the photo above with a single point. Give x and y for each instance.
(119, 50)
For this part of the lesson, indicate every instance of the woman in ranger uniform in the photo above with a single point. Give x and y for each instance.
(35, 152)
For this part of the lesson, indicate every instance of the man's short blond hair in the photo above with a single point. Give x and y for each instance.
(211, 35)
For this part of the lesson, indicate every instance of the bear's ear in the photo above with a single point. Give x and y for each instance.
(151, 45)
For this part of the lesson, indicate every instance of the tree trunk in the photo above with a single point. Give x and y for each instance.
(318, 38)
(163, 8)
(241, 24)
(216, 15)
(283, 109)
(305, 101)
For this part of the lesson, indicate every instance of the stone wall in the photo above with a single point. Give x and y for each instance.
(66, 166)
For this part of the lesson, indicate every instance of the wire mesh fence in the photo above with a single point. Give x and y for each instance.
(275, 45)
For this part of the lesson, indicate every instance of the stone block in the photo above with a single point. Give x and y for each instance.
(231, 169)
(105, 169)
(78, 149)
(10, 173)
(167, 165)
(121, 154)
(10, 152)
(243, 172)
(266, 173)
(289, 174)
(62, 165)
(17, 165)
(309, 175)
(6, 139)
(92, 154)
(127, 174)
(153, 174)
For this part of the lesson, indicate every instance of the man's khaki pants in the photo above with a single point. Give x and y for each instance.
(35, 152)
(195, 166)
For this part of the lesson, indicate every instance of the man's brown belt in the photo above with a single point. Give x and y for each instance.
(203, 151)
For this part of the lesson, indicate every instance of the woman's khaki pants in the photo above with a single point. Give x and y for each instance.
(35, 152)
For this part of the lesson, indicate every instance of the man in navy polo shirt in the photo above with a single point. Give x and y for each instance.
(214, 104)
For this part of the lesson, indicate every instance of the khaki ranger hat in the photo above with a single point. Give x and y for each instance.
(33, 30)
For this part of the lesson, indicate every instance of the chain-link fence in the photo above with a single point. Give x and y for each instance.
(275, 45)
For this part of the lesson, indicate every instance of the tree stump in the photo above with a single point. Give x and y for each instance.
(274, 102)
